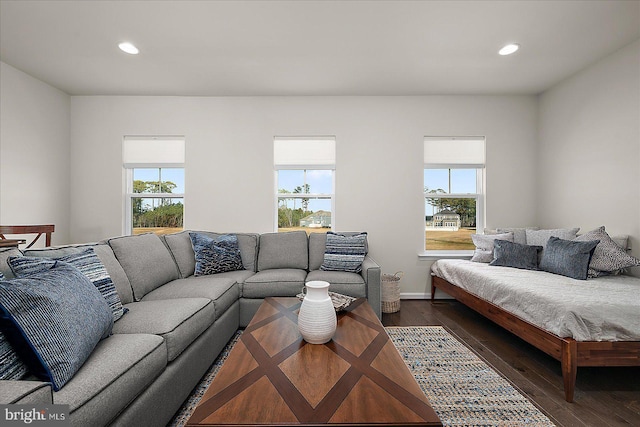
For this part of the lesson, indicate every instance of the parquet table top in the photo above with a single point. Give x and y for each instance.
(273, 377)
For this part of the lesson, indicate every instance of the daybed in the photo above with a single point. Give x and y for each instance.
(594, 322)
(177, 321)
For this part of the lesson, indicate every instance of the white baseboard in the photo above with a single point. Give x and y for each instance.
(414, 295)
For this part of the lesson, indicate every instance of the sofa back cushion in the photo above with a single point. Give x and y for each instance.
(283, 250)
(182, 250)
(106, 256)
(146, 261)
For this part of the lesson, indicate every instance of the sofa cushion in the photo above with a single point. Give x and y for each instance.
(223, 291)
(283, 282)
(88, 263)
(342, 282)
(344, 253)
(179, 322)
(107, 257)
(54, 319)
(118, 370)
(26, 392)
(216, 255)
(283, 250)
(5, 254)
(146, 261)
(182, 250)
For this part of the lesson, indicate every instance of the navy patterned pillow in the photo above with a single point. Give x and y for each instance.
(516, 255)
(344, 253)
(567, 258)
(87, 262)
(216, 255)
(54, 319)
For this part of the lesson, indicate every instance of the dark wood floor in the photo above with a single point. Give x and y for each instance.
(603, 396)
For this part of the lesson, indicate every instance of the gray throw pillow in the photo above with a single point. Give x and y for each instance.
(608, 257)
(484, 245)
(568, 258)
(510, 254)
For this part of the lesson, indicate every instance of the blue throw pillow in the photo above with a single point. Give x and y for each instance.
(510, 254)
(11, 367)
(87, 262)
(216, 255)
(568, 258)
(54, 319)
(344, 253)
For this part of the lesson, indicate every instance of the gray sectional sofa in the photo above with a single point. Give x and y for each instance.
(178, 323)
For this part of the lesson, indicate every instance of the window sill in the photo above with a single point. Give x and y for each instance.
(436, 255)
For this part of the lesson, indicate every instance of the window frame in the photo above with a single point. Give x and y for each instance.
(128, 170)
(304, 167)
(130, 195)
(478, 196)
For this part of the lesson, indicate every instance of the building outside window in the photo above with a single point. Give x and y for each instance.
(155, 184)
(453, 191)
(304, 183)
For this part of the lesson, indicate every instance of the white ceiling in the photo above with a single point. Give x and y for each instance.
(231, 48)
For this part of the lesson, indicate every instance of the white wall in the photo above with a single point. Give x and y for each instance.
(34, 153)
(230, 179)
(589, 148)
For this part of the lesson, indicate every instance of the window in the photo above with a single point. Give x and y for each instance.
(154, 176)
(453, 191)
(304, 175)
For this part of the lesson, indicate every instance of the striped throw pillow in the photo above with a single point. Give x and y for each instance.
(11, 367)
(87, 262)
(344, 253)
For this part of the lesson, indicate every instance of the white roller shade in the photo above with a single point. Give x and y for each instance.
(463, 152)
(304, 153)
(139, 152)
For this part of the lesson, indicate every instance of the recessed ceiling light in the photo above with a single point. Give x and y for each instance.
(509, 49)
(129, 48)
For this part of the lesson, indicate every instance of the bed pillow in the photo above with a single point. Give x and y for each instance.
(519, 233)
(54, 319)
(216, 255)
(541, 237)
(608, 257)
(484, 245)
(344, 252)
(568, 258)
(511, 254)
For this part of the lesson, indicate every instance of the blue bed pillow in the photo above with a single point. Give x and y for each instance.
(510, 254)
(568, 258)
(216, 255)
(54, 319)
(11, 367)
(344, 253)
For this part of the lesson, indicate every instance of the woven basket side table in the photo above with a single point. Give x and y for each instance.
(390, 284)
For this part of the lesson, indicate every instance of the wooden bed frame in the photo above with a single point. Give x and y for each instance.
(569, 352)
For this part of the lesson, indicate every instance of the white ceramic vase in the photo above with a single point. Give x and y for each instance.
(317, 317)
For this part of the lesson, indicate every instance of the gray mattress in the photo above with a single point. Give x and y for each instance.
(602, 309)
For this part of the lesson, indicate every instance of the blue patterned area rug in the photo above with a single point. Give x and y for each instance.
(463, 390)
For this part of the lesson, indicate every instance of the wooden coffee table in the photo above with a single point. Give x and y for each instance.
(273, 377)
